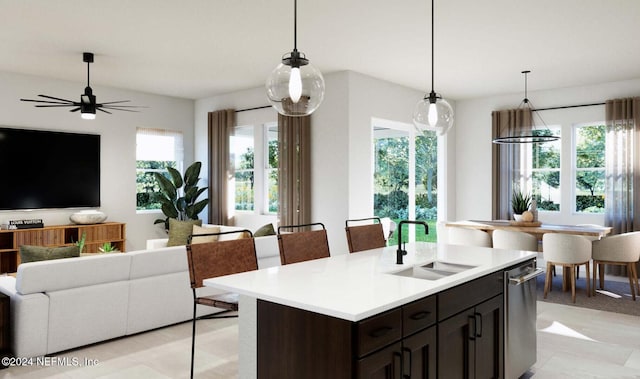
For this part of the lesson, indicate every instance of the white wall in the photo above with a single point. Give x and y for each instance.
(118, 141)
(473, 141)
(341, 142)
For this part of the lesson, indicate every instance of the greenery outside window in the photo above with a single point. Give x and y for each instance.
(254, 155)
(589, 166)
(405, 176)
(545, 171)
(156, 149)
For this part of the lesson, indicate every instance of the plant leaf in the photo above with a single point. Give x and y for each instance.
(166, 186)
(191, 176)
(176, 178)
(199, 206)
(169, 210)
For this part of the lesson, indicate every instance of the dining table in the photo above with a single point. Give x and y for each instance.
(538, 229)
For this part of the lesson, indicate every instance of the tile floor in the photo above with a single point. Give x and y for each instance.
(572, 343)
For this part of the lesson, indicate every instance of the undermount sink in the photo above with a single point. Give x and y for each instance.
(434, 270)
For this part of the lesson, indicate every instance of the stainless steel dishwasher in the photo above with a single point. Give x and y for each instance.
(520, 319)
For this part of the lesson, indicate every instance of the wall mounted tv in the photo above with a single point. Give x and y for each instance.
(46, 169)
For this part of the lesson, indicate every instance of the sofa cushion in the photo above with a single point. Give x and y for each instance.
(166, 260)
(59, 274)
(180, 231)
(199, 230)
(266, 230)
(30, 253)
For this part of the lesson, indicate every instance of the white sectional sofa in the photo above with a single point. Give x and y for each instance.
(61, 304)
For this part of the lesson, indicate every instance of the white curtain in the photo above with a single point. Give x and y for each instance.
(622, 171)
(622, 167)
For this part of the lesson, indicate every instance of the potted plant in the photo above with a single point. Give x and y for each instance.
(520, 203)
(177, 202)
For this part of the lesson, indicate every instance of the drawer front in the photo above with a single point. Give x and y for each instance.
(378, 331)
(418, 315)
(469, 294)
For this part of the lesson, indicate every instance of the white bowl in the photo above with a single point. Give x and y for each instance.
(88, 217)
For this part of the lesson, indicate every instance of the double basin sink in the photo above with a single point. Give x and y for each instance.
(434, 270)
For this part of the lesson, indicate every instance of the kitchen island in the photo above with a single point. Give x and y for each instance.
(356, 315)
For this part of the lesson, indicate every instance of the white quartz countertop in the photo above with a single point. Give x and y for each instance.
(359, 285)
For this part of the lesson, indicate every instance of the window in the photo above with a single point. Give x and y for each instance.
(545, 172)
(405, 175)
(254, 155)
(589, 168)
(156, 149)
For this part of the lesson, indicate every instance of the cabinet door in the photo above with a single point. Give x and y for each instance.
(489, 339)
(384, 364)
(419, 354)
(456, 350)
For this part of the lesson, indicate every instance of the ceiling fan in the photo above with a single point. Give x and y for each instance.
(87, 104)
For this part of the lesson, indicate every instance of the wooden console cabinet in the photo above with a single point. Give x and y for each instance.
(58, 235)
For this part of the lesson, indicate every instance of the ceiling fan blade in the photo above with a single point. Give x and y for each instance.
(119, 109)
(51, 106)
(75, 109)
(56, 98)
(102, 110)
(121, 106)
(46, 102)
(115, 102)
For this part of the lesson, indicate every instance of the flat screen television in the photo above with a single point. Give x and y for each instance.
(48, 169)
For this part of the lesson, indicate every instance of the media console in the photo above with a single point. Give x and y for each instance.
(58, 235)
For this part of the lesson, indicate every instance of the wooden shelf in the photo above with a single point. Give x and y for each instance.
(58, 235)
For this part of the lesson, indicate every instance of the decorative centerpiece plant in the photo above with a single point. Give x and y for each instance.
(520, 202)
(178, 202)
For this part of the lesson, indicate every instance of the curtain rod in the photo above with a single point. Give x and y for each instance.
(253, 109)
(567, 106)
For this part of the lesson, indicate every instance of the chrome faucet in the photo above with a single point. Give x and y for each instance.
(400, 252)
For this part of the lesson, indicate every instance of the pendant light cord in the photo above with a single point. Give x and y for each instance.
(295, 25)
(432, 47)
(88, 83)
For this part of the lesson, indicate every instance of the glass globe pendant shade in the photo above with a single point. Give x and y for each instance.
(433, 113)
(295, 87)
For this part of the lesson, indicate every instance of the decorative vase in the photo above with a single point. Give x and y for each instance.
(517, 217)
(88, 217)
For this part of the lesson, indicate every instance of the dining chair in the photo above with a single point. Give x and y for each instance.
(364, 236)
(468, 237)
(569, 251)
(303, 245)
(622, 250)
(514, 240)
(218, 258)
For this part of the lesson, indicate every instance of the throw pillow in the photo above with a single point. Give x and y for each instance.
(198, 230)
(234, 236)
(180, 231)
(266, 230)
(30, 253)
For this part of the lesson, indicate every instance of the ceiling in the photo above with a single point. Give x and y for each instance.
(200, 48)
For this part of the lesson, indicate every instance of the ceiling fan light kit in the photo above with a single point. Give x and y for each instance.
(88, 103)
(295, 87)
(433, 112)
(527, 137)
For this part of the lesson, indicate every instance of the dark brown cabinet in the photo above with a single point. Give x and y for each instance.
(457, 333)
(470, 329)
(471, 342)
(414, 357)
(393, 344)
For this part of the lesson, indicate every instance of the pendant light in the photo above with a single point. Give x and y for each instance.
(433, 113)
(295, 87)
(531, 137)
